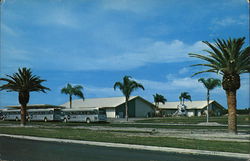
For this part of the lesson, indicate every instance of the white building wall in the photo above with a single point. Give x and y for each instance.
(190, 113)
(199, 113)
(110, 112)
(142, 109)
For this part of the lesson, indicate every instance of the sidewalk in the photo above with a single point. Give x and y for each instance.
(130, 146)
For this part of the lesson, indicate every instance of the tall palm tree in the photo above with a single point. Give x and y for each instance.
(209, 84)
(159, 99)
(23, 82)
(127, 87)
(73, 90)
(229, 59)
(184, 96)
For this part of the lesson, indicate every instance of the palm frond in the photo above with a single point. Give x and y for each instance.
(127, 86)
(159, 98)
(225, 57)
(210, 83)
(118, 85)
(73, 90)
(206, 71)
(23, 81)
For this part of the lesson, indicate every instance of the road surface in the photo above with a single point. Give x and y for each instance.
(12, 149)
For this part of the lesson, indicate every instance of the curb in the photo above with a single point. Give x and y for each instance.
(132, 146)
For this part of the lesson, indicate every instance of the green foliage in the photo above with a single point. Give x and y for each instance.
(127, 86)
(210, 83)
(159, 99)
(183, 96)
(23, 81)
(226, 57)
(244, 111)
(73, 90)
(229, 59)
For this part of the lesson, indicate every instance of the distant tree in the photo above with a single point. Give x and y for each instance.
(159, 99)
(230, 59)
(209, 84)
(184, 96)
(73, 90)
(23, 82)
(127, 87)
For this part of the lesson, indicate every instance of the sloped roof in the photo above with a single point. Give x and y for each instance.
(34, 106)
(97, 102)
(190, 105)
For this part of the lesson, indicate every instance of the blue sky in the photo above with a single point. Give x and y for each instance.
(95, 43)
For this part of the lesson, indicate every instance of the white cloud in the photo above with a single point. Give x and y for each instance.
(93, 91)
(183, 70)
(172, 87)
(8, 30)
(245, 84)
(147, 52)
(172, 84)
(167, 52)
(136, 6)
(228, 21)
(59, 17)
(12, 59)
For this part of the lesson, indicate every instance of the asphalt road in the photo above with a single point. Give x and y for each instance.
(12, 149)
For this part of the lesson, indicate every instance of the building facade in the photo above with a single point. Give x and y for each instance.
(194, 108)
(115, 106)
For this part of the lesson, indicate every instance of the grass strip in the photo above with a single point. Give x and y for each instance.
(114, 137)
(241, 120)
(126, 125)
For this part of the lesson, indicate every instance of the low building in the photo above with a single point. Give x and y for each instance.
(194, 108)
(115, 106)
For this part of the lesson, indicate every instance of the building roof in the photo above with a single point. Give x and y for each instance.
(35, 106)
(190, 105)
(110, 102)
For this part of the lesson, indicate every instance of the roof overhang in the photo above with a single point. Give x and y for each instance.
(36, 106)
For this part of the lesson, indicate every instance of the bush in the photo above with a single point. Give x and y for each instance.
(243, 111)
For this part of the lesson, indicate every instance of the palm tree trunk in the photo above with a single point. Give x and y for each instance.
(23, 114)
(70, 101)
(232, 118)
(208, 95)
(157, 109)
(23, 98)
(126, 108)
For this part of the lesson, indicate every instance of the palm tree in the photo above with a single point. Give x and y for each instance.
(210, 84)
(73, 90)
(159, 99)
(184, 96)
(229, 59)
(23, 82)
(127, 87)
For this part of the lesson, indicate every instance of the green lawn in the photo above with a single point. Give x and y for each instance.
(241, 119)
(136, 125)
(121, 137)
